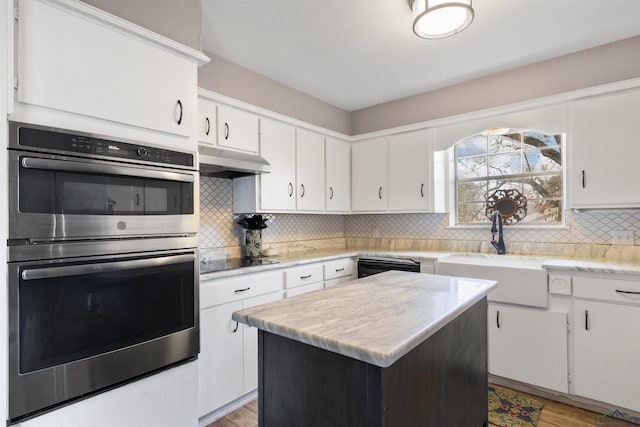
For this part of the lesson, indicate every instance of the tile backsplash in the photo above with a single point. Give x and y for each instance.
(218, 228)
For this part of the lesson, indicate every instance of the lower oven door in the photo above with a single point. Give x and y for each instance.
(77, 327)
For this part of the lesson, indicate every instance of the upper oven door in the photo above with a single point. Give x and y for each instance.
(55, 197)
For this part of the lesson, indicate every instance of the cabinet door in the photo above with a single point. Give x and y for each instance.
(220, 366)
(310, 170)
(338, 177)
(607, 344)
(278, 146)
(237, 129)
(604, 151)
(72, 62)
(370, 171)
(528, 345)
(250, 338)
(410, 169)
(206, 121)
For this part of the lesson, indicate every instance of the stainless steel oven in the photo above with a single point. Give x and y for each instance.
(103, 265)
(68, 185)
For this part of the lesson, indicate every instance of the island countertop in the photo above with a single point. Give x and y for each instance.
(377, 319)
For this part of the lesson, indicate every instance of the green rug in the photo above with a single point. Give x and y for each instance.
(510, 409)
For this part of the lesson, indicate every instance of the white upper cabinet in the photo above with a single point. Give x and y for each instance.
(370, 175)
(310, 171)
(278, 145)
(604, 151)
(207, 121)
(237, 129)
(274, 191)
(410, 171)
(338, 176)
(76, 64)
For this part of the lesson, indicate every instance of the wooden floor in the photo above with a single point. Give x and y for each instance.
(554, 414)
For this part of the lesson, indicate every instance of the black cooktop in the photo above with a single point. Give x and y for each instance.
(212, 266)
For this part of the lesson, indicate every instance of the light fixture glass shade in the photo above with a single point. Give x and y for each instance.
(435, 19)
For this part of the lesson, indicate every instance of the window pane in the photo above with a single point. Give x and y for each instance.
(534, 139)
(504, 184)
(471, 213)
(543, 187)
(542, 160)
(471, 167)
(504, 143)
(543, 211)
(505, 164)
(474, 146)
(472, 191)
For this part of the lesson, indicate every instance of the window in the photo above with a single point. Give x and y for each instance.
(528, 162)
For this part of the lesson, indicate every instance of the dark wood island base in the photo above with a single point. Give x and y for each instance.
(441, 382)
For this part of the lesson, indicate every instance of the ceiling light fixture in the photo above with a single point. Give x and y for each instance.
(436, 19)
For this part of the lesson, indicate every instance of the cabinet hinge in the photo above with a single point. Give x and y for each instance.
(568, 378)
(16, 12)
(15, 82)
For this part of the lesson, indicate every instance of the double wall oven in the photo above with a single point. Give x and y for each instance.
(102, 261)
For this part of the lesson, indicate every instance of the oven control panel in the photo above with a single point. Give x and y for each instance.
(36, 137)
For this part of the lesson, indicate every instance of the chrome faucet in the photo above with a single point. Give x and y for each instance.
(496, 227)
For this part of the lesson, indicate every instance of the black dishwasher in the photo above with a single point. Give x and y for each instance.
(370, 266)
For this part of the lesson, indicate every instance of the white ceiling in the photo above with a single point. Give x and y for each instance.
(358, 53)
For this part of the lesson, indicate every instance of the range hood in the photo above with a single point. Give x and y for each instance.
(229, 164)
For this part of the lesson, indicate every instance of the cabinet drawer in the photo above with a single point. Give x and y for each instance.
(302, 275)
(627, 291)
(338, 268)
(220, 291)
(304, 289)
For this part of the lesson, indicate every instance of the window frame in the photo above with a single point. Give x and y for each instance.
(487, 178)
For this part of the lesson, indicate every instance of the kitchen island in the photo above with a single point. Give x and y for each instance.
(394, 349)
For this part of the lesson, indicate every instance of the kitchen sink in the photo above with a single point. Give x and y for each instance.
(521, 280)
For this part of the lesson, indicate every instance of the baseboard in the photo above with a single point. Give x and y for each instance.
(227, 409)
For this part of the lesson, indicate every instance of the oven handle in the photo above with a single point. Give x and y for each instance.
(77, 270)
(71, 166)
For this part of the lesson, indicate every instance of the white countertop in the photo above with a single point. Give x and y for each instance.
(377, 319)
(549, 263)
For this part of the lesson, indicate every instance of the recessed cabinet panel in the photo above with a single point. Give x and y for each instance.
(604, 151)
(410, 170)
(607, 345)
(528, 345)
(206, 125)
(309, 170)
(220, 359)
(71, 62)
(338, 176)
(370, 172)
(278, 146)
(237, 129)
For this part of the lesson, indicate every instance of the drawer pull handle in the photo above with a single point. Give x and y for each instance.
(239, 291)
(290, 189)
(236, 328)
(338, 270)
(498, 318)
(584, 183)
(178, 111)
(305, 277)
(207, 126)
(380, 193)
(586, 320)
(627, 292)
(421, 190)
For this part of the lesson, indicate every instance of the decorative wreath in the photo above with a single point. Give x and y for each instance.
(511, 204)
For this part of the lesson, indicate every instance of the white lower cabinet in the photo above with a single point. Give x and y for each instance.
(339, 271)
(607, 341)
(228, 361)
(303, 279)
(528, 345)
